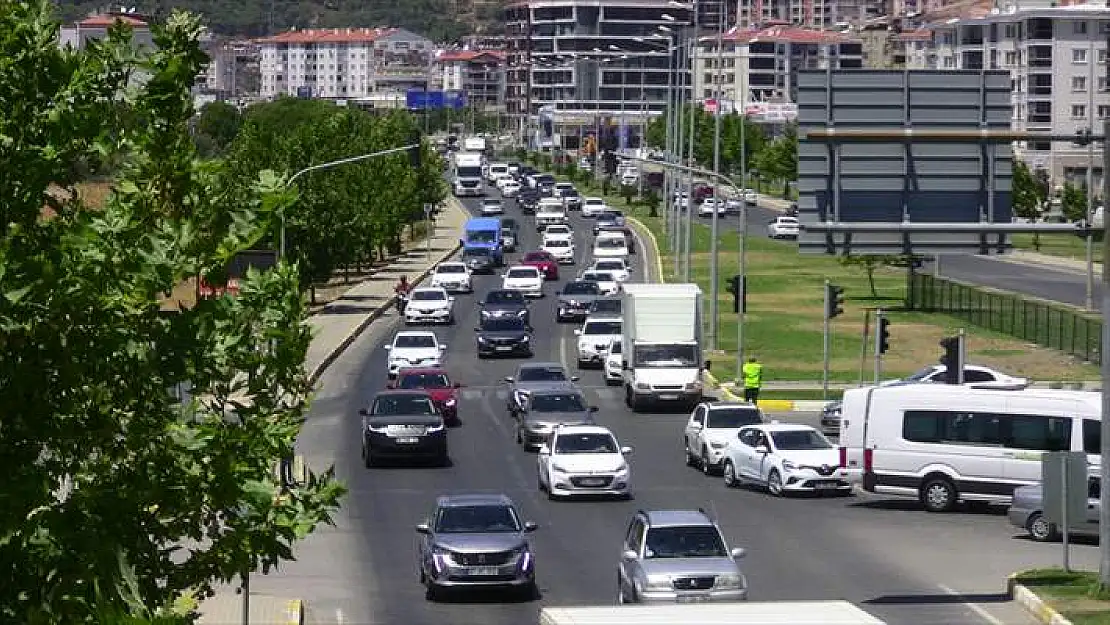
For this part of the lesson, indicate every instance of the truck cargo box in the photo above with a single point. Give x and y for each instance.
(739, 613)
(662, 313)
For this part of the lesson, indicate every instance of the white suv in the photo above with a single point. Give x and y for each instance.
(594, 338)
(453, 277)
(414, 349)
(562, 250)
(583, 460)
(710, 429)
(593, 206)
(526, 279)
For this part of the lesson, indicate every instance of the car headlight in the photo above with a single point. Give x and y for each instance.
(558, 468)
(657, 583)
(693, 386)
(643, 386)
(441, 551)
(521, 313)
(432, 429)
(789, 466)
(526, 338)
(372, 428)
(450, 402)
(717, 444)
(729, 581)
(482, 339)
(622, 468)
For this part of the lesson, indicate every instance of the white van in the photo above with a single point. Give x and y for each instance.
(945, 443)
(495, 171)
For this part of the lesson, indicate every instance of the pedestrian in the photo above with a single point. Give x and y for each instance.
(753, 380)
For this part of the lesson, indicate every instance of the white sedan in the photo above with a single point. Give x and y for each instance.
(414, 349)
(618, 267)
(511, 188)
(492, 206)
(784, 228)
(562, 250)
(593, 206)
(558, 231)
(749, 196)
(583, 460)
(527, 280)
(614, 362)
(430, 305)
(784, 458)
(606, 283)
(453, 277)
(711, 205)
(975, 376)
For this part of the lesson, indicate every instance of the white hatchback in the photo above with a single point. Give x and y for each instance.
(430, 305)
(414, 349)
(527, 280)
(784, 458)
(562, 250)
(606, 283)
(558, 231)
(593, 206)
(452, 277)
(583, 460)
(610, 245)
(618, 267)
(594, 339)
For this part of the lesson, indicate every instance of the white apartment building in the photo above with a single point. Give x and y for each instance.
(1057, 59)
(803, 13)
(480, 74)
(96, 27)
(761, 65)
(345, 63)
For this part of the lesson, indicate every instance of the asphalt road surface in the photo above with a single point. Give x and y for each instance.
(1061, 285)
(888, 556)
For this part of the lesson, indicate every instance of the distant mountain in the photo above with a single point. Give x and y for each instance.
(439, 20)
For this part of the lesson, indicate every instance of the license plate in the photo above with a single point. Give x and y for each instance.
(408, 440)
(592, 481)
(482, 571)
(825, 485)
(692, 598)
(668, 396)
(504, 348)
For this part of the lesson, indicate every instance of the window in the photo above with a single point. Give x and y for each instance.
(1011, 58)
(635, 536)
(1103, 111)
(1092, 436)
(1094, 488)
(1079, 55)
(1102, 55)
(976, 375)
(1078, 111)
(1079, 27)
(1039, 432)
(966, 428)
(1078, 83)
(1101, 83)
(699, 416)
(1011, 31)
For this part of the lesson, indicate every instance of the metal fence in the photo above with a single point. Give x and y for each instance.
(1055, 326)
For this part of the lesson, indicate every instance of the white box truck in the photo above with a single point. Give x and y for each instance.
(467, 178)
(475, 144)
(661, 344)
(738, 613)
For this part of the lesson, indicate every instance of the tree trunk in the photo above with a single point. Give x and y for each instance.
(1036, 241)
(871, 281)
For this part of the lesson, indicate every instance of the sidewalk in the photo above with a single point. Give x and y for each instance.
(334, 328)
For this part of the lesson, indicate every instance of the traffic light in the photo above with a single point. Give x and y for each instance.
(415, 158)
(739, 289)
(951, 359)
(610, 163)
(884, 335)
(834, 301)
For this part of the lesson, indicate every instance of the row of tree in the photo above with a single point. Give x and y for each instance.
(774, 158)
(345, 215)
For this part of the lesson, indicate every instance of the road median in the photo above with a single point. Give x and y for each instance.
(1058, 597)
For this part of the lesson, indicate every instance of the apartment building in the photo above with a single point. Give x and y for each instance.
(581, 60)
(345, 63)
(480, 74)
(1057, 59)
(803, 13)
(96, 27)
(232, 68)
(761, 65)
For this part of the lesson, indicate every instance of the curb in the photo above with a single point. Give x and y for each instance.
(777, 405)
(374, 315)
(1033, 604)
(644, 230)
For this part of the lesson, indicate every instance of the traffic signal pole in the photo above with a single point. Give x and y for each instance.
(825, 346)
(1104, 430)
(879, 317)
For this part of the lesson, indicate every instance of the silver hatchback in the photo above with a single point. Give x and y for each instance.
(476, 541)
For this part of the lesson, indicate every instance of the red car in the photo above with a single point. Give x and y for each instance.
(436, 383)
(543, 261)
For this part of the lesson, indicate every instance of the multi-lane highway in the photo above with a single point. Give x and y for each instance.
(887, 556)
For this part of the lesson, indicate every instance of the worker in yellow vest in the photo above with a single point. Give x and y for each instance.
(753, 380)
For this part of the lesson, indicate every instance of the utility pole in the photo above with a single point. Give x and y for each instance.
(1092, 30)
(687, 238)
(1104, 467)
(680, 131)
(714, 262)
(742, 227)
(825, 344)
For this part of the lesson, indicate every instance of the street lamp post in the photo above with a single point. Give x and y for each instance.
(714, 262)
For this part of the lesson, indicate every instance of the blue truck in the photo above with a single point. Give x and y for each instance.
(485, 233)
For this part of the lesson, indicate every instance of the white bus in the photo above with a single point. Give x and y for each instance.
(943, 444)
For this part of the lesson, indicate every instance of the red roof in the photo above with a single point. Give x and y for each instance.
(452, 56)
(921, 34)
(329, 35)
(785, 34)
(104, 21)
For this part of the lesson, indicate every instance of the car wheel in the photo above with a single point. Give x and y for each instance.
(367, 458)
(1040, 529)
(431, 593)
(938, 494)
(621, 597)
(774, 483)
(706, 467)
(729, 473)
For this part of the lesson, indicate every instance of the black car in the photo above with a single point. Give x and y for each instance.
(478, 260)
(572, 201)
(501, 304)
(403, 424)
(503, 336)
(575, 299)
(527, 199)
(609, 219)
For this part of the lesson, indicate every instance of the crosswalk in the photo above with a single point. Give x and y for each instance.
(478, 393)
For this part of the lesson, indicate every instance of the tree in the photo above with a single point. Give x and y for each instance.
(119, 498)
(870, 264)
(778, 160)
(1073, 202)
(216, 128)
(1030, 190)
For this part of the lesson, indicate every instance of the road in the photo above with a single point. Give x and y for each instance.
(902, 564)
(1061, 285)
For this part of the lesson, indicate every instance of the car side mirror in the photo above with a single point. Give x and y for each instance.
(545, 450)
(423, 528)
(531, 526)
(573, 378)
(508, 379)
(626, 451)
(593, 408)
(630, 555)
(387, 347)
(451, 299)
(739, 552)
(577, 333)
(762, 449)
(363, 412)
(698, 425)
(443, 347)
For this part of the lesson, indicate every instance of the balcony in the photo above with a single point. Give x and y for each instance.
(1040, 62)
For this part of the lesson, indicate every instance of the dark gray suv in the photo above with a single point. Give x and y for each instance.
(476, 541)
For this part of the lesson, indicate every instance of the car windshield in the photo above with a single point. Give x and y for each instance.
(606, 306)
(428, 296)
(732, 417)
(799, 440)
(451, 269)
(570, 193)
(481, 236)
(556, 230)
(602, 328)
(523, 273)
(580, 288)
(504, 297)
(424, 380)
(689, 541)
(536, 257)
(556, 243)
(591, 202)
(598, 276)
(922, 375)
(476, 520)
(610, 243)
(476, 253)
(503, 324)
(592, 443)
(663, 356)
(541, 374)
(403, 405)
(610, 265)
(615, 347)
(557, 402)
(409, 340)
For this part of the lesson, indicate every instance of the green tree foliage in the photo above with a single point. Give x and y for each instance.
(119, 498)
(1073, 202)
(216, 127)
(778, 160)
(345, 214)
(1030, 191)
(754, 137)
(434, 19)
(871, 264)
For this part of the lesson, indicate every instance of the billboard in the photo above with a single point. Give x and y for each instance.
(421, 99)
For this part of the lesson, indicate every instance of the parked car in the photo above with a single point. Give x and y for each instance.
(1027, 512)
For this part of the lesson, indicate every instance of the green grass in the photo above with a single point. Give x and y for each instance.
(1074, 594)
(801, 394)
(783, 326)
(1058, 244)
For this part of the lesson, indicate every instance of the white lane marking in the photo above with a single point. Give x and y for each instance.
(514, 469)
(645, 273)
(978, 610)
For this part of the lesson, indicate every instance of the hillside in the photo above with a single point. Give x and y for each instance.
(436, 19)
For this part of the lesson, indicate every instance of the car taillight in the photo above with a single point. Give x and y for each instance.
(843, 457)
(868, 459)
